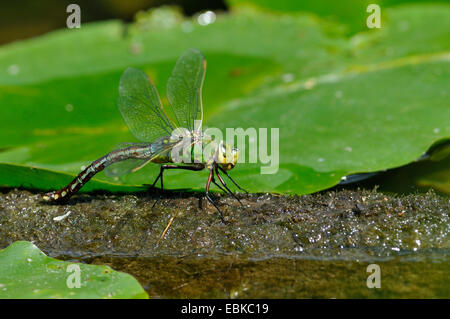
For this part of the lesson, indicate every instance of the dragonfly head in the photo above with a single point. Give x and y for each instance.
(227, 156)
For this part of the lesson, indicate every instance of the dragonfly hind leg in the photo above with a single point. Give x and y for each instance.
(167, 166)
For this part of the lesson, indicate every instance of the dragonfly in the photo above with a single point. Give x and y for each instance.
(164, 132)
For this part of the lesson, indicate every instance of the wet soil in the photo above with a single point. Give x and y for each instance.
(275, 246)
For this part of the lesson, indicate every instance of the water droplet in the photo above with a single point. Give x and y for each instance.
(288, 77)
(310, 84)
(69, 107)
(206, 18)
(13, 69)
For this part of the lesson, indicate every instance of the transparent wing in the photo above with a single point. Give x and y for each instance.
(124, 167)
(184, 90)
(141, 108)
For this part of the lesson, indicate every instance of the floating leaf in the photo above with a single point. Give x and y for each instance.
(374, 101)
(26, 272)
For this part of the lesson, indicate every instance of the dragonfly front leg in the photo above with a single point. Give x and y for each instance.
(225, 185)
(220, 187)
(225, 172)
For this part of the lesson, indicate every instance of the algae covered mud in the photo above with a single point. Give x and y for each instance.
(275, 247)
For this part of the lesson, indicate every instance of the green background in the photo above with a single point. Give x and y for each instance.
(346, 99)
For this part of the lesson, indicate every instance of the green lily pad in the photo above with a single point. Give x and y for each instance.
(26, 272)
(374, 101)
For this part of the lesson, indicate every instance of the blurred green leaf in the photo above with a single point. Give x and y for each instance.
(44, 179)
(26, 272)
(343, 105)
(352, 13)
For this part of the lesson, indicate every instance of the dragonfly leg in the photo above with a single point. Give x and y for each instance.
(159, 176)
(225, 185)
(208, 183)
(164, 167)
(225, 172)
(215, 183)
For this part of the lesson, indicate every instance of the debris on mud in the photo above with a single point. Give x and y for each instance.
(275, 246)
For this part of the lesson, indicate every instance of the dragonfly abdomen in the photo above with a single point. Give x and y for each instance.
(140, 152)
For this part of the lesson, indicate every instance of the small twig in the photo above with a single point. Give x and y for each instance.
(166, 229)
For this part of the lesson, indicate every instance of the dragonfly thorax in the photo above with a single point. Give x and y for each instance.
(201, 148)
